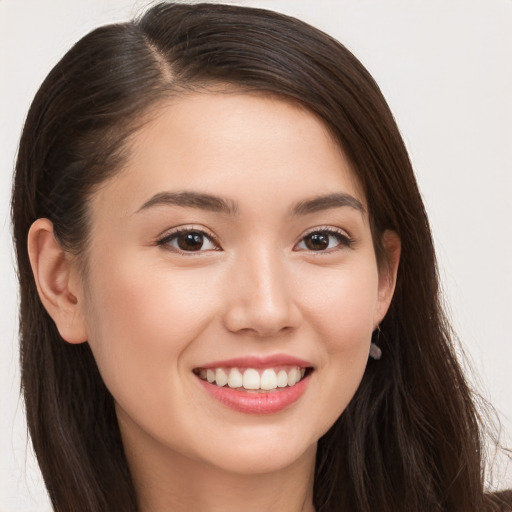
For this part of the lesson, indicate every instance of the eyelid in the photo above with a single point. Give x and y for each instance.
(326, 228)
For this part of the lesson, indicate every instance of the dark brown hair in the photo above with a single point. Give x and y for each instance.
(410, 439)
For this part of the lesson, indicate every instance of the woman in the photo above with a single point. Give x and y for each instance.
(222, 299)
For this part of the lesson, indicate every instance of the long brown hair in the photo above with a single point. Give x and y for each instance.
(410, 439)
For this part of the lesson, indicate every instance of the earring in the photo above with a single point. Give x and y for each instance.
(375, 350)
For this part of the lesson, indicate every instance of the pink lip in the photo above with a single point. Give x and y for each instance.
(259, 362)
(256, 402)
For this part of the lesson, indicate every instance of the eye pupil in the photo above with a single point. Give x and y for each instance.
(191, 241)
(317, 241)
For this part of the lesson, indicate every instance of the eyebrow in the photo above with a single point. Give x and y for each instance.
(218, 204)
(327, 202)
(191, 200)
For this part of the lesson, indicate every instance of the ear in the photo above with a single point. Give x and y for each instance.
(388, 270)
(57, 280)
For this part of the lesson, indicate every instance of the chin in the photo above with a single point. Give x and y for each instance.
(256, 459)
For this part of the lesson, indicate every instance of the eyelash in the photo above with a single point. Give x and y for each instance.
(343, 240)
(165, 240)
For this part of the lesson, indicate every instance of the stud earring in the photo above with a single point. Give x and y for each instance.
(375, 350)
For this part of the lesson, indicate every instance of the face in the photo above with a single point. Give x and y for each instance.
(232, 253)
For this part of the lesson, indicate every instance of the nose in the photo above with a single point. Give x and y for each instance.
(259, 296)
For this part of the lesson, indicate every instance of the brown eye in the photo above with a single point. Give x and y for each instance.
(189, 241)
(323, 240)
(192, 241)
(317, 241)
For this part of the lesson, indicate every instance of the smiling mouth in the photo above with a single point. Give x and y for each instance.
(252, 379)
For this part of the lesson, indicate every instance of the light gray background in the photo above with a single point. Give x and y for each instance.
(445, 68)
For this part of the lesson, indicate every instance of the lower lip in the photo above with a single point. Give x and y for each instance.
(259, 402)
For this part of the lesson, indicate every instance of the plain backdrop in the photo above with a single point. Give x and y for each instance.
(445, 67)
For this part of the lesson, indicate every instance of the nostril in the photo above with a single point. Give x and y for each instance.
(261, 323)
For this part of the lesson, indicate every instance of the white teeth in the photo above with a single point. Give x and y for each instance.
(282, 379)
(293, 376)
(268, 380)
(220, 377)
(251, 379)
(235, 379)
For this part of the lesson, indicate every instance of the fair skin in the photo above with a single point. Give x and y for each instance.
(282, 267)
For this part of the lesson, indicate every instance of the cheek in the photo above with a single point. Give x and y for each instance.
(141, 319)
(353, 305)
(342, 303)
(341, 313)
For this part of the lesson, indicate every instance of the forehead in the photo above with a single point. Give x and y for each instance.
(234, 144)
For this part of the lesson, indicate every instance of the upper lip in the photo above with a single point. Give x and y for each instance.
(258, 362)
